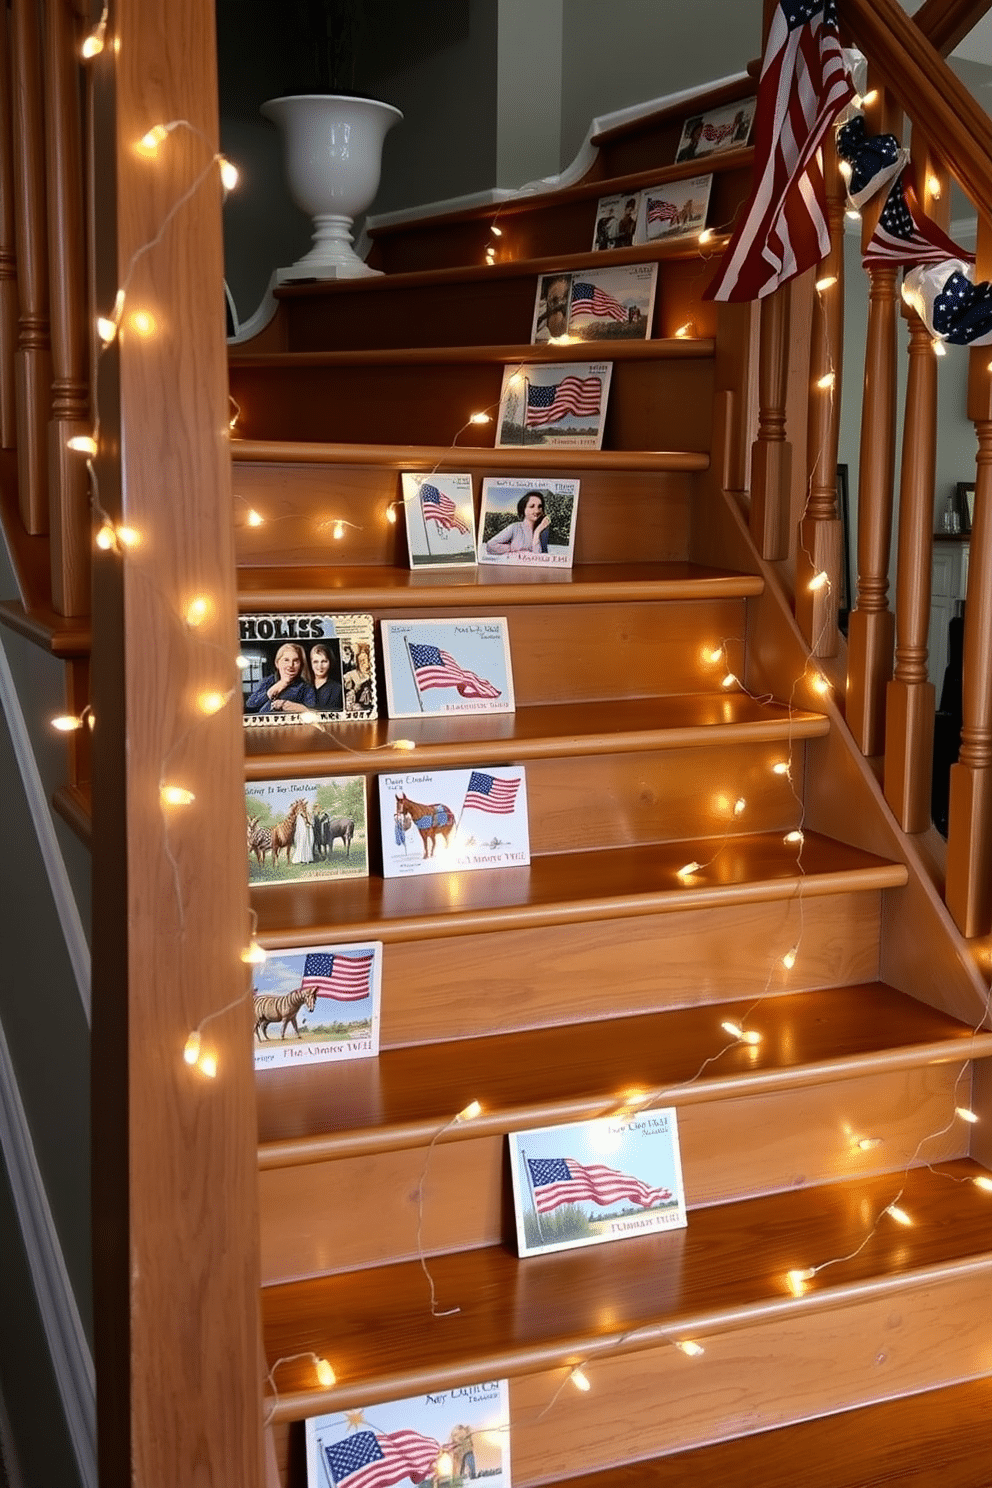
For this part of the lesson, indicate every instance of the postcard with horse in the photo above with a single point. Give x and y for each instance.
(298, 668)
(440, 520)
(447, 1437)
(674, 209)
(300, 830)
(589, 1182)
(527, 519)
(610, 304)
(442, 821)
(447, 666)
(317, 1004)
(554, 405)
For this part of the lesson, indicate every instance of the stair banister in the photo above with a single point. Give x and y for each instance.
(8, 253)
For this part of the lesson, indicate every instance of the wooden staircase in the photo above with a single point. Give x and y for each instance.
(600, 974)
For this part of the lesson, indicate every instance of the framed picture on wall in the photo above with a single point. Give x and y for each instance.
(966, 504)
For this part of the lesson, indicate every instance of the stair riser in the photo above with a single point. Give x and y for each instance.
(653, 404)
(295, 498)
(567, 973)
(363, 1211)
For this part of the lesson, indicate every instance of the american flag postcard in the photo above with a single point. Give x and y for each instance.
(440, 520)
(608, 304)
(447, 666)
(300, 830)
(305, 668)
(445, 1437)
(553, 406)
(443, 821)
(673, 209)
(589, 1182)
(726, 128)
(526, 520)
(317, 1004)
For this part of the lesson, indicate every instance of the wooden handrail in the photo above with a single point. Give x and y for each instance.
(947, 22)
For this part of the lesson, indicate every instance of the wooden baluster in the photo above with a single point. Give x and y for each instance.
(910, 694)
(871, 626)
(771, 453)
(68, 498)
(969, 836)
(820, 535)
(34, 358)
(8, 257)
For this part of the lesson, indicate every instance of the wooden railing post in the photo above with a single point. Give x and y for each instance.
(820, 538)
(771, 454)
(969, 836)
(8, 255)
(34, 360)
(68, 494)
(910, 694)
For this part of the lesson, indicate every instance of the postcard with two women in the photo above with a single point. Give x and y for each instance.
(301, 668)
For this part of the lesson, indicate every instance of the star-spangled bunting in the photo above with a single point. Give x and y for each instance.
(563, 1180)
(589, 299)
(372, 1459)
(874, 159)
(433, 667)
(490, 793)
(334, 974)
(439, 508)
(803, 87)
(578, 396)
(962, 311)
(905, 235)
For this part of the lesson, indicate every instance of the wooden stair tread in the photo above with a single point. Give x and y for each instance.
(323, 589)
(457, 457)
(565, 888)
(548, 1075)
(539, 732)
(726, 1270)
(63, 637)
(937, 1436)
(670, 348)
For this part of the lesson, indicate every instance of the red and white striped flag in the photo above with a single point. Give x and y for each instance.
(562, 1180)
(803, 86)
(904, 233)
(556, 400)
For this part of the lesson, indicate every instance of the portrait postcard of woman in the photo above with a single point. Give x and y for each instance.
(295, 668)
(317, 1004)
(528, 520)
(440, 520)
(459, 665)
(300, 830)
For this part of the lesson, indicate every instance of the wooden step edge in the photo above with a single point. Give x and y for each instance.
(703, 101)
(362, 740)
(672, 348)
(568, 1350)
(368, 1141)
(75, 806)
(64, 638)
(458, 457)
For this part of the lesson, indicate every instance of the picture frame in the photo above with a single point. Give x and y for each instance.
(339, 684)
(966, 504)
(445, 666)
(509, 511)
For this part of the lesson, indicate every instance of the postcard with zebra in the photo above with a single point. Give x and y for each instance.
(317, 1004)
(528, 519)
(446, 1437)
(439, 821)
(447, 666)
(610, 304)
(440, 520)
(304, 668)
(553, 405)
(589, 1182)
(301, 830)
(674, 209)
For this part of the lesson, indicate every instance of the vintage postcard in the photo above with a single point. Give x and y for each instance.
(296, 666)
(614, 304)
(434, 821)
(674, 209)
(616, 221)
(727, 128)
(525, 520)
(317, 1004)
(447, 666)
(300, 830)
(440, 520)
(561, 405)
(446, 1438)
(588, 1182)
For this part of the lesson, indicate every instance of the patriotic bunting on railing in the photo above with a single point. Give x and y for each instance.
(874, 159)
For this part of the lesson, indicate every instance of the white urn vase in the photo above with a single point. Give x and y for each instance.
(333, 149)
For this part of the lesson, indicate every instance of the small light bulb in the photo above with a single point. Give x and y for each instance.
(687, 870)
(796, 1280)
(391, 515)
(143, 323)
(406, 744)
(781, 767)
(934, 187)
(869, 98)
(789, 959)
(308, 716)
(254, 954)
(176, 795)
(106, 329)
(212, 702)
(242, 663)
(899, 1215)
(67, 723)
(868, 1144)
(794, 838)
(580, 1380)
(740, 806)
(325, 1374)
(84, 444)
(197, 611)
(229, 174)
(985, 1184)
(713, 654)
(845, 168)
(128, 536)
(149, 143)
(706, 235)
(751, 1036)
(191, 1050)
(105, 538)
(207, 1065)
(819, 581)
(469, 1112)
(729, 681)
(92, 45)
(254, 518)
(827, 282)
(939, 349)
(693, 1350)
(852, 214)
(681, 334)
(481, 418)
(827, 380)
(734, 1029)
(819, 684)
(964, 1112)
(338, 532)
(497, 232)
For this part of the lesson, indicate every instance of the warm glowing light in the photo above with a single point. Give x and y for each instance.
(176, 795)
(580, 1380)
(254, 518)
(149, 143)
(819, 581)
(781, 767)
(84, 444)
(191, 1051)
(740, 805)
(852, 214)
(407, 744)
(846, 169)
(868, 1144)
(67, 723)
(705, 235)
(483, 418)
(729, 680)
(939, 349)
(445, 1465)
(143, 323)
(242, 663)
(827, 380)
(128, 536)
(789, 959)
(985, 1184)
(497, 232)
(683, 331)
(966, 1114)
(687, 870)
(391, 515)
(820, 684)
(752, 1037)
(794, 838)
(106, 329)
(307, 716)
(796, 1280)
(869, 98)
(229, 174)
(105, 538)
(254, 954)
(899, 1215)
(325, 1374)
(934, 187)
(212, 702)
(93, 44)
(827, 282)
(713, 655)
(207, 1065)
(470, 1112)
(734, 1029)
(197, 611)
(338, 532)
(692, 1349)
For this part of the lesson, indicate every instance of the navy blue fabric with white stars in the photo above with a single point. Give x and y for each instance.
(962, 312)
